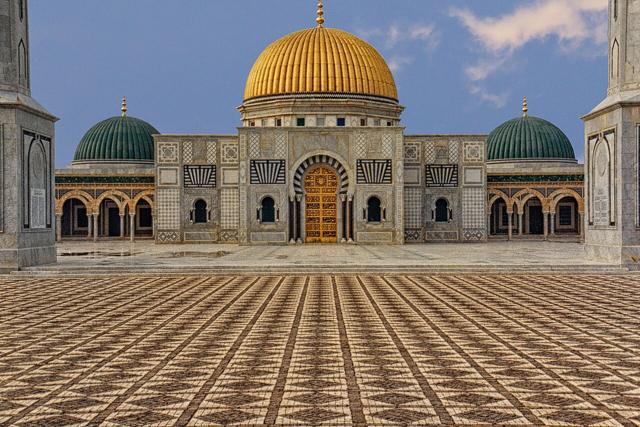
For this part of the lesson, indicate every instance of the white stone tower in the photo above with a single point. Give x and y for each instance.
(612, 146)
(27, 234)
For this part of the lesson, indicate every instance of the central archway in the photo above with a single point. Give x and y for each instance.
(341, 199)
(321, 205)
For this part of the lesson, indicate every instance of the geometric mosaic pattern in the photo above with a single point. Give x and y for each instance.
(268, 172)
(229, 212)
(429, 152)
(473, 208)
(168, 210)
(374, 171)
(442, 175)
(200, 176)
(413, 208)
(360, 146)
(473, 152)
(387, 146)
(337, 351)
(453, 152)
(412, 152)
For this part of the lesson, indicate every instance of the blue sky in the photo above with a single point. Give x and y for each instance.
(460, 66)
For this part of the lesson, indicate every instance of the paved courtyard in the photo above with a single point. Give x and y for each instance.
(364, 350)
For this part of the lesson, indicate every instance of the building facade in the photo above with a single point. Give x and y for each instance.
(321, 156)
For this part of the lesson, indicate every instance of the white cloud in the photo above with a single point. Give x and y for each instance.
(396, 63)
(572, 21)
(499, 100)
(399, 42)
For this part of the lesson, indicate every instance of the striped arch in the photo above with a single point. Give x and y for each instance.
(320, 159)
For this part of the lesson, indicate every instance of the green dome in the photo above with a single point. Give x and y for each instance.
(118, 139)
(529, 138)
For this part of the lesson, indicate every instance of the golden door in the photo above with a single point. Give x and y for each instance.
(321, 206)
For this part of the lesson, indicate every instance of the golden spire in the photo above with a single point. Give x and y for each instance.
(320, 18)
(525, 108)
(124, 107)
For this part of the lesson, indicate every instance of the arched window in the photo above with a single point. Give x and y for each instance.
(268, 211)
(374, 211)
(442, 210)
(200, 212)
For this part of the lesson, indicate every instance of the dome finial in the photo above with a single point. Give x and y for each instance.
(525, 107)
(320, 18)
(124, 106)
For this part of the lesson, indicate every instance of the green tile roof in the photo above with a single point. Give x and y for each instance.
(528, 138)
(118, 139)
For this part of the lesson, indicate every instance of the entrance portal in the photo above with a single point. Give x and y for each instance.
(321, 206)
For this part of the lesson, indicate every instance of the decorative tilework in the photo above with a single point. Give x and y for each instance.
(387, 145)
(473, 152)
(412, 152)
(212, 150)
(168, 209)
(412, 208)
(268, 172)
(203, 176)
(229, 211)
(229, 236)
(168, 152)
(453, 152)
(413, 235)
(281, 148)
(168, 237)
(473, 208)
(471, 235)
(187, 152)
(374, 171)
(229, 153)
(429, 152)
(360, 146)
(442, 175)
(254, 146)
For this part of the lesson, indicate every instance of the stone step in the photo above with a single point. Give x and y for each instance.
(321, 269)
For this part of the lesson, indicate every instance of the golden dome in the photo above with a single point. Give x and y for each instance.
(320, 60)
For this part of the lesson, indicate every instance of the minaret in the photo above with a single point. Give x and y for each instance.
(14, 47)
(27, 225)
(612, 147)
(624, 46)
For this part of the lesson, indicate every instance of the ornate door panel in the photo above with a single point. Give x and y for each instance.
(321, 206)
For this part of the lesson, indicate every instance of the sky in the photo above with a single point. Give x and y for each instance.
(460, 66)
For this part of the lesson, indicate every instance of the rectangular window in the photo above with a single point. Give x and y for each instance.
(300, 122)
(363, 122)
(565, 215)
(278, 122)
(341, 122)
(252, 123)
(145, 218)
(82, 220)
(377, 122)
(263, 122)
(389, 123)
(320, 122)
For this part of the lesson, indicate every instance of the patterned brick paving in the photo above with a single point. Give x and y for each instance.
(427, 350)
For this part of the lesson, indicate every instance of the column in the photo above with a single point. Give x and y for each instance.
(132, 227)
(520, 224)
(545, 216)
(293, 219)
(510, 224)
(299, 211)
(553, 224)
(581, 226)
(349, 215)
(122, 225)
(89, 226)
(345, 218)
(95, 227)
(58, 227)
